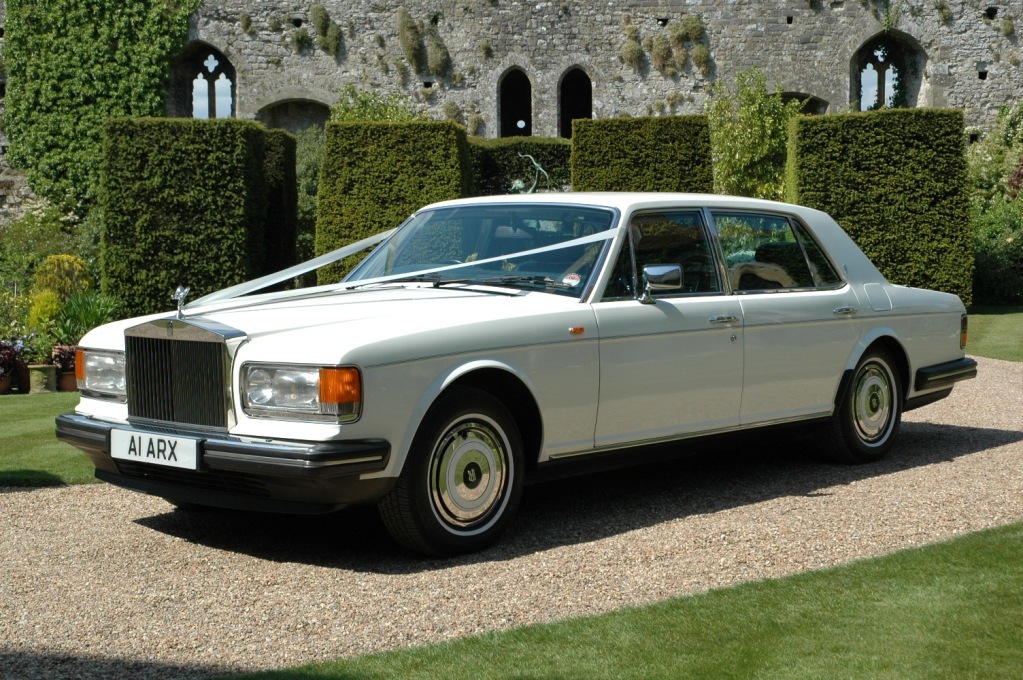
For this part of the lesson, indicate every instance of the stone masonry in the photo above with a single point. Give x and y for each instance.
(967, 53)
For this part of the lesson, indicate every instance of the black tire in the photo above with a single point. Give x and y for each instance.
(869, 412)
(462, 480)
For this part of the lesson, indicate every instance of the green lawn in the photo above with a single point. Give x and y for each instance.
(30, 454)
(996, 333)
(950, 610)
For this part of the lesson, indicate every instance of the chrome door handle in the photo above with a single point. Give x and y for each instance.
(723, 319)
(845, 311)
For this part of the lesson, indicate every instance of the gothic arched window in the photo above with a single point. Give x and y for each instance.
(575, 100)
(202, 84)
(886, 73)
(516, 104)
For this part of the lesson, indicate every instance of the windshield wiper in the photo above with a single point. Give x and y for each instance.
(436, 279)
(516, 281)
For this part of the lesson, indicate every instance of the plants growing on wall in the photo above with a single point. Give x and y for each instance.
(411, 39)
(71, 65)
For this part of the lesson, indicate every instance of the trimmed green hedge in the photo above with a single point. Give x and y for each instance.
(496, 163)
(185, 202)
(896, 182)
(374, 175)
(642, 154)
(282, 200)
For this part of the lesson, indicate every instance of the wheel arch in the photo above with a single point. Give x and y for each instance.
(516, 396)
(890, 344)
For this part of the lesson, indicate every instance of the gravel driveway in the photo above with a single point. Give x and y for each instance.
(99, 582)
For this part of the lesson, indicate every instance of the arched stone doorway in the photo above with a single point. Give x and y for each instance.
(294, 115)
(515, 102)
(811, 106)
(575, 100)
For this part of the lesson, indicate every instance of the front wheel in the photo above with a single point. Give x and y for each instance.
(462, 480)
(869, 411)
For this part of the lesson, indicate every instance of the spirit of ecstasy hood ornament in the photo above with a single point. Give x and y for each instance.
(180, 295)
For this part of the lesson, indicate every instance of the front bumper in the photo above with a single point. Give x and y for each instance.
(279, 476)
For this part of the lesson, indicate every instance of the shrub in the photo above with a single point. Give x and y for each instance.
(642, 154)
(998, 248)
(355, 104)
(690, 28)
(300, 40)
(63, 274)
(26, 242)
(368, 185)
(633, 54)
(71, 65)
(411, 40)
(701, 58)
(333, 41)
(163, 228)
(43, 312)
(438, 60)
(896, 182)
(81, 313)
(497, 165)
(749, 132)
(660, 54)
(320, 19)
(309, 159)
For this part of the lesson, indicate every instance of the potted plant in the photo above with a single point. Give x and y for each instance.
(42, 375)
(63, 358)
(10, 356)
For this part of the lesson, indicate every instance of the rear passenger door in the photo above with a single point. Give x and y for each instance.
(799, 316)
(674, 365)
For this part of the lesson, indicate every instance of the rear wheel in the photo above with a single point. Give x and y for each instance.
(869, 411)
(462, 480)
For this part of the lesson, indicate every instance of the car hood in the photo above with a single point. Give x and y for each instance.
(378, 324)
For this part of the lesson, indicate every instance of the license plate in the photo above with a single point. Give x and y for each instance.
(155, 449)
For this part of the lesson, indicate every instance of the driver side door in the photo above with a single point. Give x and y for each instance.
(673, 364)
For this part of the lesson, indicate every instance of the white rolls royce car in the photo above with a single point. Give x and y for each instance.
(487, 339)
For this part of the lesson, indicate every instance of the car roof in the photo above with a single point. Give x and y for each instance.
(626, 201)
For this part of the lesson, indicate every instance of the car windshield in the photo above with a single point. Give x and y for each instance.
(555, 248)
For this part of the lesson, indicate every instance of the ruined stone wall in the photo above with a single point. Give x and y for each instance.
(803, 46)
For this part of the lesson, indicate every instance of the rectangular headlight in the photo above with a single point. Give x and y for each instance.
(331, 393)
(100, 374)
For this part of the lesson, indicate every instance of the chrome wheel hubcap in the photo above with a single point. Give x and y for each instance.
(872, 403)
(468, 473)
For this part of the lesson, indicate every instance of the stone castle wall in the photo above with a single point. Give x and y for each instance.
(804, 46)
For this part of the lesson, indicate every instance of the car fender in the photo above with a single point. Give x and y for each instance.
(443, 381)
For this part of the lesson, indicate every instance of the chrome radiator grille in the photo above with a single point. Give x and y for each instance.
(177, 381)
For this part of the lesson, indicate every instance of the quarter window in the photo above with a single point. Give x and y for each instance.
(762, 253)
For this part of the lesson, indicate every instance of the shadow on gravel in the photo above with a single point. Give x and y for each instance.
(26, 665)
(697, 478)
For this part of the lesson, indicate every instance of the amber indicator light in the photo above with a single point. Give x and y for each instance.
(79, 365)
(340, 386)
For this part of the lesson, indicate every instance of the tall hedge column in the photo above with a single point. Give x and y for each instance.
(642, 154)
(185, 202)
(374, 175)
(896, 182)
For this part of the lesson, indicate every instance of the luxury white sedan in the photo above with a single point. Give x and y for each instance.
(486, 340)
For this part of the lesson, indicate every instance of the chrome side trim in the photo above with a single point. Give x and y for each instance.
(693, 435)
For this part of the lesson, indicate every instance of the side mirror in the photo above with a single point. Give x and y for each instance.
(660, 277)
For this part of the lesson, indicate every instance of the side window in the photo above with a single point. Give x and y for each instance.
(823, 271)
(762, 252)
(666, 238)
